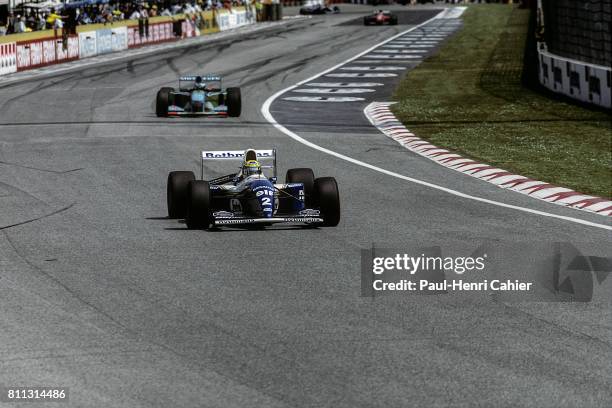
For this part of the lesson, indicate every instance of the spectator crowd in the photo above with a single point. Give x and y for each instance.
(77, 13)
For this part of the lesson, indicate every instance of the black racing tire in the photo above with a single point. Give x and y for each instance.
(306, 177)
(177, 192)
(328, 200)
(198, 205)
(393, 21)
(366, 21)
(234, 102)
(162, 102)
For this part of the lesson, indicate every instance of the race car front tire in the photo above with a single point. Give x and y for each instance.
(306, 177)
(328, 200)
(177, 192)
(198, 205)
(393, 21)
(162, 102)
(234, 102)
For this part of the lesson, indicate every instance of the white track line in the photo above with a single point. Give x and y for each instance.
(265, 110)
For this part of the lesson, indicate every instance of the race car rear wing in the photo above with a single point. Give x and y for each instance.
(238, 155)
(192, 78)
(205, 78)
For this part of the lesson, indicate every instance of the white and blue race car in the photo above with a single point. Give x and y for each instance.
(199, 95)
(250, 197)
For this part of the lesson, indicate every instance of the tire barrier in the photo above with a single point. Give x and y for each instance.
(8, 58)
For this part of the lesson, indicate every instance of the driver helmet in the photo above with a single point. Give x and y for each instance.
(199, 84)
(250, 168)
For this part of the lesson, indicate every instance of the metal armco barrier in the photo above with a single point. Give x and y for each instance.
(39, 53)
(579, 80)
(8, 58)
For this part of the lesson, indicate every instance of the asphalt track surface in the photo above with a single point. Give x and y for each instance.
(99, 292)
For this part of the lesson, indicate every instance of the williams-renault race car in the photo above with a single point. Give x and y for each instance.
(198, 95)
(250, 196)
(380, 17)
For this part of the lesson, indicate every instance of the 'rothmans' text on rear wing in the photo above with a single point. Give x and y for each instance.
(262, 155)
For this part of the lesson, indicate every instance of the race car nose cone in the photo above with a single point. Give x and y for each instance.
(264, 191)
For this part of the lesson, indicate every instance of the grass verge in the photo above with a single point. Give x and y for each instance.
(469, 99)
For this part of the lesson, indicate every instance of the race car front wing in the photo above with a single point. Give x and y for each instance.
(219, 221)
(174, 110)
(186, 113)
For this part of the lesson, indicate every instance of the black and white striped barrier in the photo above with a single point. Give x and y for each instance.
(579, 80)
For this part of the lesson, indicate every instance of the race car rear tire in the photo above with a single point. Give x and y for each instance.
(177, 192)
(306, 177)
(234, 102)
(162, 102)
(393, 21)
(198, 205)
(328, 200)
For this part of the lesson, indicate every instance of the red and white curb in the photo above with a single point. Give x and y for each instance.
(380, 115)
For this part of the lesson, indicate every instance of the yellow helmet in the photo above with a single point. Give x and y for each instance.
(250, 168)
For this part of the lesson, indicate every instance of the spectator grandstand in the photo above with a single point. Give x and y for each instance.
(27, 17)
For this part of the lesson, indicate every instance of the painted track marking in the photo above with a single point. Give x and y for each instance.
(333, 90)
(323, 99)
(343, 84)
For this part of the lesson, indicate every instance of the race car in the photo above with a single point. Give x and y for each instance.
(252, 196)
(198, 95)
(315, 8)
(380, 17)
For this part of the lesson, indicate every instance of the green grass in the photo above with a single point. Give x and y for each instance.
(469, 99)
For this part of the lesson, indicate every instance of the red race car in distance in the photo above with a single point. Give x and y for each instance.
(380, 17)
